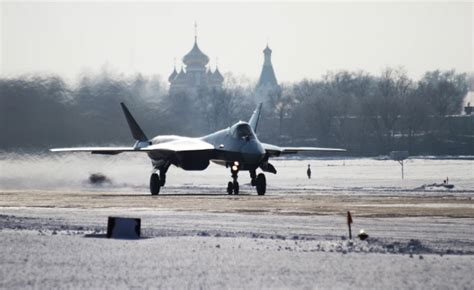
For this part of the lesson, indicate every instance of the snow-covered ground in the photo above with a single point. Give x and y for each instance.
(53, 223)
(131, 171)
(67, 248)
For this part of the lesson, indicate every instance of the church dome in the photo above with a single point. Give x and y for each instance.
(172, 75)
(195, 56)
(217, 76)
(181, 77)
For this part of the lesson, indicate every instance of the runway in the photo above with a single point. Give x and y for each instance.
(53, 224)
(211, 200)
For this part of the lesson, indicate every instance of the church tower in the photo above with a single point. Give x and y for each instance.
(196, 74)
(267, 81)
(195, 62)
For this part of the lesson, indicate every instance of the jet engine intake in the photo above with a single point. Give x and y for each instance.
(193, 161)
(267, 167)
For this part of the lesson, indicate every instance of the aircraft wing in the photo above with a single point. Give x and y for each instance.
(96, 150)
(175, 146)
(274, 150)
(181, 145)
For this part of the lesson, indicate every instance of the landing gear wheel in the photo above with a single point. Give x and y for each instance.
(261, 184)
(155, 184)
(230, 187)
(233, 186)
(236, 187)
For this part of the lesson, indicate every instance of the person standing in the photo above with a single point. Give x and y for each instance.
(308, 172)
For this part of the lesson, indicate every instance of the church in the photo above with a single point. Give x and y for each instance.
(195, 76)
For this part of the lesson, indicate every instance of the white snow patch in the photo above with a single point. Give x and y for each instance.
(67, 248)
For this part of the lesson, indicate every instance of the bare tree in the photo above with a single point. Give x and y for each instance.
(392, 89)
(415, 113)
(445, 91)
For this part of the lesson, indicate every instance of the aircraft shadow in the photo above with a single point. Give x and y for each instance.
(174, 194)
(205, 194)
(104, 236)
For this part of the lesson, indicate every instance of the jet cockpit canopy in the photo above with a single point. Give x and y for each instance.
(242, 131)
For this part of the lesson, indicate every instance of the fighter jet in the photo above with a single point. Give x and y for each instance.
(236, 147)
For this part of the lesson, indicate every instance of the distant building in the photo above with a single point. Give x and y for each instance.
(195, 76)
(267, 83)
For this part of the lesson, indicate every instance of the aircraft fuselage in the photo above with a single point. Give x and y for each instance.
(237, 143)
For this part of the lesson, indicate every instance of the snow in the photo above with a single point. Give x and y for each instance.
(131, 171)
(67, 248)
(215, 263)
(53, 225)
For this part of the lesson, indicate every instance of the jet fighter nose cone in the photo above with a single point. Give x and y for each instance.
(253, 152)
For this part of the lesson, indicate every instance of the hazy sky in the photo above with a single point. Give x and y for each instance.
(308, 39)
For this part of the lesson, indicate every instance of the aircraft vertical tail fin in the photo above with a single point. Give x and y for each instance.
(137, 132)
(253, 122)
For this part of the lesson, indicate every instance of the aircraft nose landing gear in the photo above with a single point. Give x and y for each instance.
(233, 186)
(230, 187)
(259, 181)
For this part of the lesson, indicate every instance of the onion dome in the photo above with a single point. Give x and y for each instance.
(209, 73)
(181, 76)
(195, 56)
(172, 75)
(217, 75)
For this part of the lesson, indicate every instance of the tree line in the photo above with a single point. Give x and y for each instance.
(368, 114)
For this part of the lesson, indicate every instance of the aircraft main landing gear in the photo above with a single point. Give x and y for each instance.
(261, 184)
(259, 181)
(157, 181)
(155, 184)
(253, 178)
